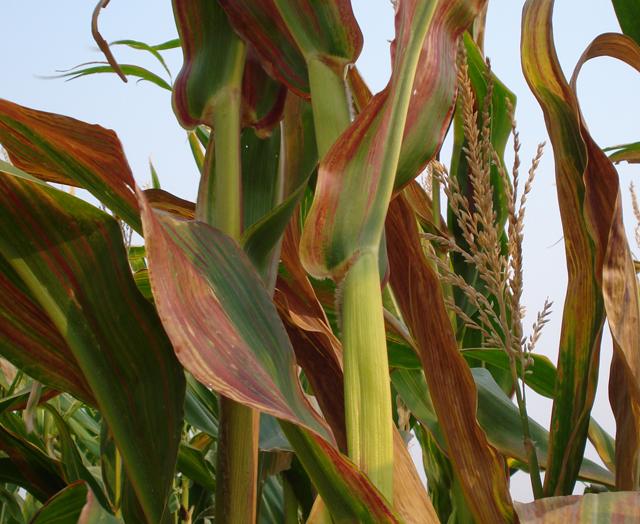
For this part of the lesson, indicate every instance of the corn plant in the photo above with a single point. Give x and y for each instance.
(264, 353)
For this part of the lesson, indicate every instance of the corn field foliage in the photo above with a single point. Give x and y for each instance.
(337, 288)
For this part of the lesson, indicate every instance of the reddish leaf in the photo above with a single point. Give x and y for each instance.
(226, 332)
(479, 468)
(357, 175)
(30, 341)
(60, 149)
(601, 272)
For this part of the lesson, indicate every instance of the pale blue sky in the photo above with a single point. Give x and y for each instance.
(39, 37)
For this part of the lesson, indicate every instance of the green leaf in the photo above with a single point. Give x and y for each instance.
(72, 465)
(540, 375)
(169, 44)
(201, 407)
(191, 463)
(71, 258)
(497, 415)
(64, 507)
(133, 70)
(142, 46)
(28, 466)
(61, 149)
(628, 13)
(210, 51)
(624, 152)
(300, 159)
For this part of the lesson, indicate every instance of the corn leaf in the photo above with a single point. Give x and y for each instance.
(588, 508)
(61, 149)
(71, 258)
(263, 98)
(297, 165)
(72, 464)
(245, 355)
(136, 71)
(356, 176)
(497, 415)
(29, 467)
(479, 468)
(600, 266)
(256, 350)
(30, 341)
(260, 24)
(142, 46)
(210, 49)
(625, 152)
(165, 201)
(64, 507)
(628, 13)
(93, 513)
(324, 30)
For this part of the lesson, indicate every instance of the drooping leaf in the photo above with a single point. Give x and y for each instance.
(246, 354)
(258, 368)
(64, 507)
(588, 508)
(210, 51)
(477, 465)
(601, 272)
(259, 22)
(61, 149)
(627, 50)
(71, 258)
(263, 98)
(161, 199)
(357, 175)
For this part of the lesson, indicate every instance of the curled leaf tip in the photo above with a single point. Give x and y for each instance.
(101, 42)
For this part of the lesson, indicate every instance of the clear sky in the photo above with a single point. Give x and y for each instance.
(39, 37)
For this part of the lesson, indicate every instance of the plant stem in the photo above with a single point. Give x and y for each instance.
(366, 374)
(117, 484)
(529, 446)
(220, 204)
(331, 114)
